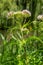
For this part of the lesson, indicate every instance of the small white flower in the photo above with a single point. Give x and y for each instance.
(27, 12)
(40, 17)
(10, 13)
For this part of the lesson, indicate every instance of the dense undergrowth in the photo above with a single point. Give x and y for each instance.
(21, 40)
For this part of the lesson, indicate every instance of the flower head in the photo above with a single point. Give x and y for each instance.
(26, 12)
(40, 17)
(9, 14)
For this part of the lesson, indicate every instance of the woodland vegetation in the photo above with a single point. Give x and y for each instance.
(21, 32)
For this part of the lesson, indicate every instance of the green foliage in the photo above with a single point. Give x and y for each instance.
(21, 39)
